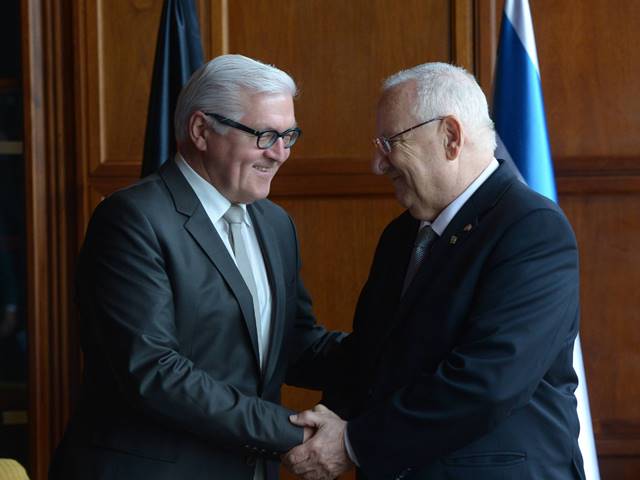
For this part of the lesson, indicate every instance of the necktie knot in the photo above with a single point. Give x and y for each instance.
(235, 214)
(425, 236)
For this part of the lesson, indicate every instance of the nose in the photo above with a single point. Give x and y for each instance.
(277, 151)
(380, 163)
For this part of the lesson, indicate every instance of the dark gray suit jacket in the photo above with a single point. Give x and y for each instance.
(172, 385)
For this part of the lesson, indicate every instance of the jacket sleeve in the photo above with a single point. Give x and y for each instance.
(524, 312)
(126, 298)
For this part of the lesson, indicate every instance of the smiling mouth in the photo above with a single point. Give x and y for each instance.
(262, 168)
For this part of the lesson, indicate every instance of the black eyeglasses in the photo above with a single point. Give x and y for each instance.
(266, 138)
(384, 143)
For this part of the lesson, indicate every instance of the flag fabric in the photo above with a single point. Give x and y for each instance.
(518, 112)
(178, 55)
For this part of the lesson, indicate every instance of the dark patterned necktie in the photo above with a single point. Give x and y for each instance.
(424, 239)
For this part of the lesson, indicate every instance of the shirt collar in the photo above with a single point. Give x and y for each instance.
(214, 203)
(442, 220)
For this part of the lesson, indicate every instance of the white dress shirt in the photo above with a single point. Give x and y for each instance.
(442, 221)
(216, 205)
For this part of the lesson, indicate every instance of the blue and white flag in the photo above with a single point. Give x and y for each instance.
(522, 139)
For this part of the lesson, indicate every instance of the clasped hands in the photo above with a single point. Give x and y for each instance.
(322, 455)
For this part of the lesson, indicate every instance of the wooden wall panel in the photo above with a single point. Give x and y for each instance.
(588, 69)
(121, 37)
(49, 126)
(338, 238)
(339, 52)
(619, 468)
(589, 66)
(116, 43)
(608, 231)
(124, 77)
(590, 73)
(355, 45)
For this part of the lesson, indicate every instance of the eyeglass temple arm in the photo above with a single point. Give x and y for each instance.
(232, 123)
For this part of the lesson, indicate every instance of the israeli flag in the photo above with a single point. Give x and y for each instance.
(522, 140)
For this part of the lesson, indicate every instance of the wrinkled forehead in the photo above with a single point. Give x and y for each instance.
(396, 106)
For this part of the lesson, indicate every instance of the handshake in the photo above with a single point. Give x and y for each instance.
(323, 453)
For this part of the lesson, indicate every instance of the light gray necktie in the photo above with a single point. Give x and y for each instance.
(235, 217)
(424, 239)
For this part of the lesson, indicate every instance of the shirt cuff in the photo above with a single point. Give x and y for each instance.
(347, 446)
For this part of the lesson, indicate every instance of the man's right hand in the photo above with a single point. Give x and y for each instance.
(308, 433)
(324, 456)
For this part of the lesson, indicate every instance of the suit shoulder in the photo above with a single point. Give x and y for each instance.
(271, 208)
(522, 206)
(401, 223)
(525, 198)
(145, 196)
(522, 200)
(274, 213)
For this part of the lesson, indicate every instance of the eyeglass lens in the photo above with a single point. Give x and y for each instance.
(269, 137)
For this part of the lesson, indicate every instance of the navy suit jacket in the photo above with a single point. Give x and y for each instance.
(172, 384)
(469, 375)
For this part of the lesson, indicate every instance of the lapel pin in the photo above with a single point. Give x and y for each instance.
(453, 240)
(468, 227)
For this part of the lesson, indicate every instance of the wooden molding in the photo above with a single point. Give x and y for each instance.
(462, 34)
(618, 437)
(352, 176)
(597, 174)
(214, 27)
(50, 207)
(486, 44)
(36, 228)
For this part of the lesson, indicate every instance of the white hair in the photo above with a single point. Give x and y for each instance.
(444, 89)
(222, 86)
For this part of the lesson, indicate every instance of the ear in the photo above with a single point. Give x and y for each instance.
(198, 128)
(454, 137)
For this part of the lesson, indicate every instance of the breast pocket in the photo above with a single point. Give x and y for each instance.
(486, 466)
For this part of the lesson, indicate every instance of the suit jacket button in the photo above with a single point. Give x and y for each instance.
(250, 460)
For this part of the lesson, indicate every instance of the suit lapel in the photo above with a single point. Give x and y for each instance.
(206, 236)
(397, 266)
(268, 245)
(388, 295)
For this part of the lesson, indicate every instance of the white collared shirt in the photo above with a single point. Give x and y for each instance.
(442, 220)
(216, 205)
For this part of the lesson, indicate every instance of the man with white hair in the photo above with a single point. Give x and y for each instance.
(460, 361)
(192, 307)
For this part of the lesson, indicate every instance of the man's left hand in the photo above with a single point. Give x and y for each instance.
(323, 456)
